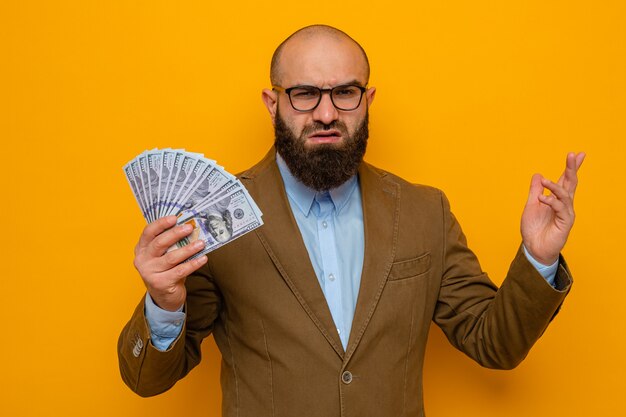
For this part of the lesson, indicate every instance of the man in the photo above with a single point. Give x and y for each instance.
(325, 310)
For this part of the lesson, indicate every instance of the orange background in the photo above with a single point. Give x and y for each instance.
(473, 97)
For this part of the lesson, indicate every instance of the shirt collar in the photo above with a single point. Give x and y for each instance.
(303, 196)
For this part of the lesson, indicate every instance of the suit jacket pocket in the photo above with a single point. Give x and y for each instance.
(410, 268)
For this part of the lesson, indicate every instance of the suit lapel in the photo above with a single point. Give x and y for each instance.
(380, 217)
(283, 242)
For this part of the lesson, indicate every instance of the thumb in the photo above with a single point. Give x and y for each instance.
(536, 188)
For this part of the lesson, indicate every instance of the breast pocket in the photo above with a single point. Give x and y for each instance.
(410, 268)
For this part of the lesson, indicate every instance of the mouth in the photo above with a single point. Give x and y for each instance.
(325, 136)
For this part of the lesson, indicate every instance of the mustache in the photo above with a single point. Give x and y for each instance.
(316, 127)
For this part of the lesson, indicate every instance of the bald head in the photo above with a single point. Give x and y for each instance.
(314, 35)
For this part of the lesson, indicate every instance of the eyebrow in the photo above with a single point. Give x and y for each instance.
(355, 82)
(352, 82)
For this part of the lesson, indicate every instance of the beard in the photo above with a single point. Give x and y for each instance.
(326, 165)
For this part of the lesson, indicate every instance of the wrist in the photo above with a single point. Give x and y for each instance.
(543, 260)
(167, 305)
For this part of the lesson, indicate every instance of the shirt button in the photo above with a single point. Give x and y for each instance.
(346, 377)
(324, 224)
(331, 277)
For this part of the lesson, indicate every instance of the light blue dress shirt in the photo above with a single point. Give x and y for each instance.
(331, 224)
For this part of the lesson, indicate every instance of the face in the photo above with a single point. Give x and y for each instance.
(326, 165)
(325, 141)
(218, 229)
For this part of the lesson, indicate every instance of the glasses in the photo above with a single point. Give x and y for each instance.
(307, 97)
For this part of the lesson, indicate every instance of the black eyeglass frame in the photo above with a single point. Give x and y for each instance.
(321, 91)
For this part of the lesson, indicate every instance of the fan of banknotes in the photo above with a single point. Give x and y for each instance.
(197, 190)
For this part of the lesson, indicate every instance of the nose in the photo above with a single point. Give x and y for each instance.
(325, 112)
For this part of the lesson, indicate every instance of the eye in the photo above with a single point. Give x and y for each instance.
(345, 91)
(304, 93)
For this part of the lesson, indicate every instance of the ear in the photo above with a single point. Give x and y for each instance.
(369, 95)
(270, 99)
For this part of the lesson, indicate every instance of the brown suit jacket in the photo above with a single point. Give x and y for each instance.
(281, 355)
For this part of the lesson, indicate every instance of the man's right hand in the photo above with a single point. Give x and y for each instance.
(162, 271)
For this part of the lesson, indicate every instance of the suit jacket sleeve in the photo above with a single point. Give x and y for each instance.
(495, 327)
(148, 371)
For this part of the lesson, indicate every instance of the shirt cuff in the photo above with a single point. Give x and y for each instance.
(546, 271)
(165, 326)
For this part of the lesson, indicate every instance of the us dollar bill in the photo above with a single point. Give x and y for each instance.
(196, 189)
(227, 218)
(186, 167)
(211, 184)
(167, 163)
(135, 167)
(128, 171)
(145, 179)
(154, 173)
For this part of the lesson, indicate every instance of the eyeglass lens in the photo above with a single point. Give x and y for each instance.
(346, 97)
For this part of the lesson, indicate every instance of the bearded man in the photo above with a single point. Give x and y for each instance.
(325, 310)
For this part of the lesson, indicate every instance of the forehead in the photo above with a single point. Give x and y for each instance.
(323, 61)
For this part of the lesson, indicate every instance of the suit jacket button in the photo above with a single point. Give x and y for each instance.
(346, 377)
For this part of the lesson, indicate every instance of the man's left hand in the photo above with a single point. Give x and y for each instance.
(548, 219)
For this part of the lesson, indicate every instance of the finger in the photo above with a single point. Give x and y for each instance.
(569, 178)
(154, 229)
(552, 201)
(183, 270)
(580, 158)
(175, 257)
(165, 240)
(570, 163)
(560, 209)
(557, 190)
